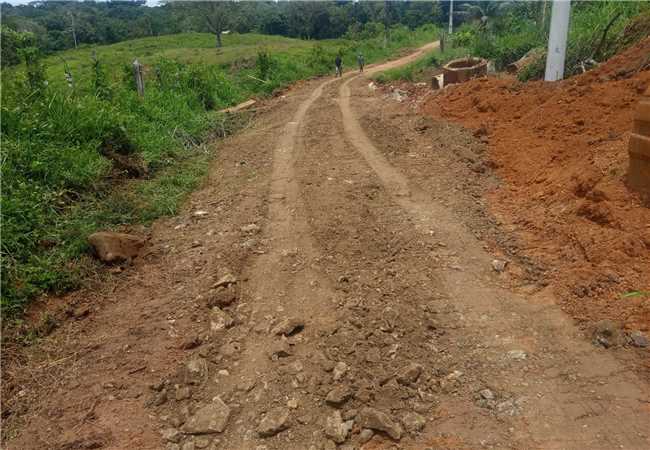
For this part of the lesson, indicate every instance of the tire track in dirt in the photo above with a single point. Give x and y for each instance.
(571, 395)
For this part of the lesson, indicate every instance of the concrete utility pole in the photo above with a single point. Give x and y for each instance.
(557, 38)
(451, 16)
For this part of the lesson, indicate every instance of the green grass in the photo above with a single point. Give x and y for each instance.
(58, 187)
(422, 68)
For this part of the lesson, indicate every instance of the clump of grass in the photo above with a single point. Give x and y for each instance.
(422, 68)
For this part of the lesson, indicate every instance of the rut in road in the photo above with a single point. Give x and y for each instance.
(606, 410)
(356, 308)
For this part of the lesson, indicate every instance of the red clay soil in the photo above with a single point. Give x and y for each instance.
(561, 151)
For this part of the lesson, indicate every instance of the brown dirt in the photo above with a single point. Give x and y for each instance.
(561, 151)
(329, 210)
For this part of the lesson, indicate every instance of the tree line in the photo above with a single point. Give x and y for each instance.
(60, 25)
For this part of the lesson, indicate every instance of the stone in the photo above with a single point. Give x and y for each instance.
(338, 396)
(340, 369)
(288, 327)
(379, 421)
(220, 320)
(190, 343)
(112, 247)
(487, 394)
(608, 334)
(517, 355)
(350, 414)
(638, 339)
(250, 228)
(188, 446)
(499, 265)
(292, 403)
(225, 280)
(171, 446)
(274, 421)
(410, 373)
(196, 364)
(211, 418)
(279, 349)
(171, 435)
(223, 296)
(336, 429)
(365, 435)
(413, 422)
(158, 398)
(183, 393)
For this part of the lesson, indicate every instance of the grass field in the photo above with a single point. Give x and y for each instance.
(58, 186)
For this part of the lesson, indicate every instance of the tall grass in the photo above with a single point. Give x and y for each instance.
(58, 184)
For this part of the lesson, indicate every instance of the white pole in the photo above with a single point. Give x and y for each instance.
(451, 16)
(557, 40)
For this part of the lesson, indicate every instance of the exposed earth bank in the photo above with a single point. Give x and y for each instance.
(560, 151)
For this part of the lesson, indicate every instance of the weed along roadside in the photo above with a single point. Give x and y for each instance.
(83, 151)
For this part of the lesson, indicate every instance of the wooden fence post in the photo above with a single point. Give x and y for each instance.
(139, 80)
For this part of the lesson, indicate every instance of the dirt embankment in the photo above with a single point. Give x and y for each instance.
(561, 151)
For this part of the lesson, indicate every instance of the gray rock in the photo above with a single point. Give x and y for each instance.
(365, 435)
(517, 355)
(638, 339)
(410, 373)
(220, 320)
(171, 435)
(340, 369)
(338, 396)
(608, 334)
(211, 418)
(250, 228)
(487, 394)
(225, 280)
(275, 421)
(288, 326)
(413, 422)
(499, 265)
(336, 429)
(379, 421)
(350, 414)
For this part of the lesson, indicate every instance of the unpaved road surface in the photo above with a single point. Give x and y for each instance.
(326, 287)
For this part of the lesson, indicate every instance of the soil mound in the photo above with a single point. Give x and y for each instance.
(561, 151)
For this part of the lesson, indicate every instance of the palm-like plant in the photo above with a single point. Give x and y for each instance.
(483, 11)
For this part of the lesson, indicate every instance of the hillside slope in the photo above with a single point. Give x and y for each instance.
(561, 152)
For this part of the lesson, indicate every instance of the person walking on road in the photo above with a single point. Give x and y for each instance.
(338, 62)
(360, 61)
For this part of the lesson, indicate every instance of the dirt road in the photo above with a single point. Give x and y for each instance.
(325, 287)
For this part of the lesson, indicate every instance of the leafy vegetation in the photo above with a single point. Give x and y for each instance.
(507, 31)
(81, 151)
(423, 68)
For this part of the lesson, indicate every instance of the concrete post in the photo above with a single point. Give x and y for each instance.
(139, 80)
(557, 38)
(451, 17)
(638, 174)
